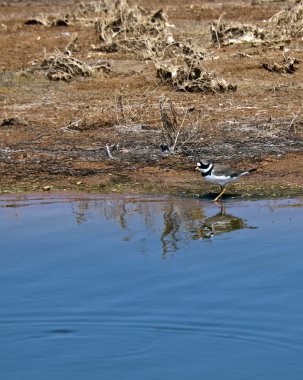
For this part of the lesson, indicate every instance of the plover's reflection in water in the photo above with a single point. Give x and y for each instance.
(190, 222)
(220, 223)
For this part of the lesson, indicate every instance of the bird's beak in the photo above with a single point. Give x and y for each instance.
(197, 168)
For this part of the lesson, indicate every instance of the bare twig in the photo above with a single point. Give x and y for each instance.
(179, 131)
(216, 30)
(120, 106)
(107, 148)
(292, 122)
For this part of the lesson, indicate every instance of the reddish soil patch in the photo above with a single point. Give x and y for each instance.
(54, 133)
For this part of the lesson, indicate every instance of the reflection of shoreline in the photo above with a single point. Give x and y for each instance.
(181, 220)
(172, 221)
(175, 222)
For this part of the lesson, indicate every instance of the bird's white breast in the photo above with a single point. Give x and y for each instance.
(219, 179)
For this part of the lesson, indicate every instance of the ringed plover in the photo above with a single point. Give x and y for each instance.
(219, 174)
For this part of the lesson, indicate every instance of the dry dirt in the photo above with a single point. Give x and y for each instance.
(53, 134)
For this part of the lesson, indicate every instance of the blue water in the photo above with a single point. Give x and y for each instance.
(150, 288)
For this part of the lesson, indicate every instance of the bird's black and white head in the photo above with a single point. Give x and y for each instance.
(204, 166)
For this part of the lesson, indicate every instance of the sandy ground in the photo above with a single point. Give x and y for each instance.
(53, 134)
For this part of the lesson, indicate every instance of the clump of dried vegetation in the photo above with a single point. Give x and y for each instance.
(124, 28)
(60, 66)
(121, 27)
(131, 29)
(227, 33)
(288, 23)
(51, 20)
(189, 75)
(280, 28)
(63, 67)
(288, 66)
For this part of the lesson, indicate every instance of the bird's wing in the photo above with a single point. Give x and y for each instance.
(221, 170)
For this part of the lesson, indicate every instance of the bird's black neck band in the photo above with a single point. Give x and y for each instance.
(208, 172)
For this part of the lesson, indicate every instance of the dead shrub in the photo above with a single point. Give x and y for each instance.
(169, 48)
(179, 130)
(282, 27)
(51, 20)
(188, 75)
(124, 28)
(131, 29)
(288, 66)
(227, 33)
(60, 66)
(288, 23)
(63, 67)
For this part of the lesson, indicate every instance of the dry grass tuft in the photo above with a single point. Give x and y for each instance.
(180, 130)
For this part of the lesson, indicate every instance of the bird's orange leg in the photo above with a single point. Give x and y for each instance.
(223, 189)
